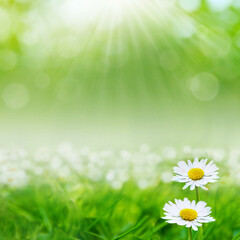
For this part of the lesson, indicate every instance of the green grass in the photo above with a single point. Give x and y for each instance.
(55, 210)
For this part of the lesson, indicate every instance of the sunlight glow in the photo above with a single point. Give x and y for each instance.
(80, 13)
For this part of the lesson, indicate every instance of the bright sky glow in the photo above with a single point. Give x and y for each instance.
(80, 13)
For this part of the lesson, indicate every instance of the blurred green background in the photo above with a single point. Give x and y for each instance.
(120, 72)
(100, 74)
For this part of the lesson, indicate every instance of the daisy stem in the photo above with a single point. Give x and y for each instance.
(197, 194)
(200, 232)
(190, 233)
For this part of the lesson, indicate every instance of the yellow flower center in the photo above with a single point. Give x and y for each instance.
(188, 214)
(196, 173)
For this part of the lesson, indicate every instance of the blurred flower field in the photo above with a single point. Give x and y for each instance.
(81, 193)
(144, 166)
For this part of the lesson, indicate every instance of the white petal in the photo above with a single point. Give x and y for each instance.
(183, 165)
(193, 204)
(204, 188)
(194, 227)
(200, 206)
(192, 186)
(190, 164)
(187, 185)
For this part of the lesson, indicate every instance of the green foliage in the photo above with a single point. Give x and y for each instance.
(50, 211)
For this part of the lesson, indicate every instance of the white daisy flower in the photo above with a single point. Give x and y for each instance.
(187, 213)
(196, 173)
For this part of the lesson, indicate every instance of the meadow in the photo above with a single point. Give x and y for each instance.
(71, 193)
